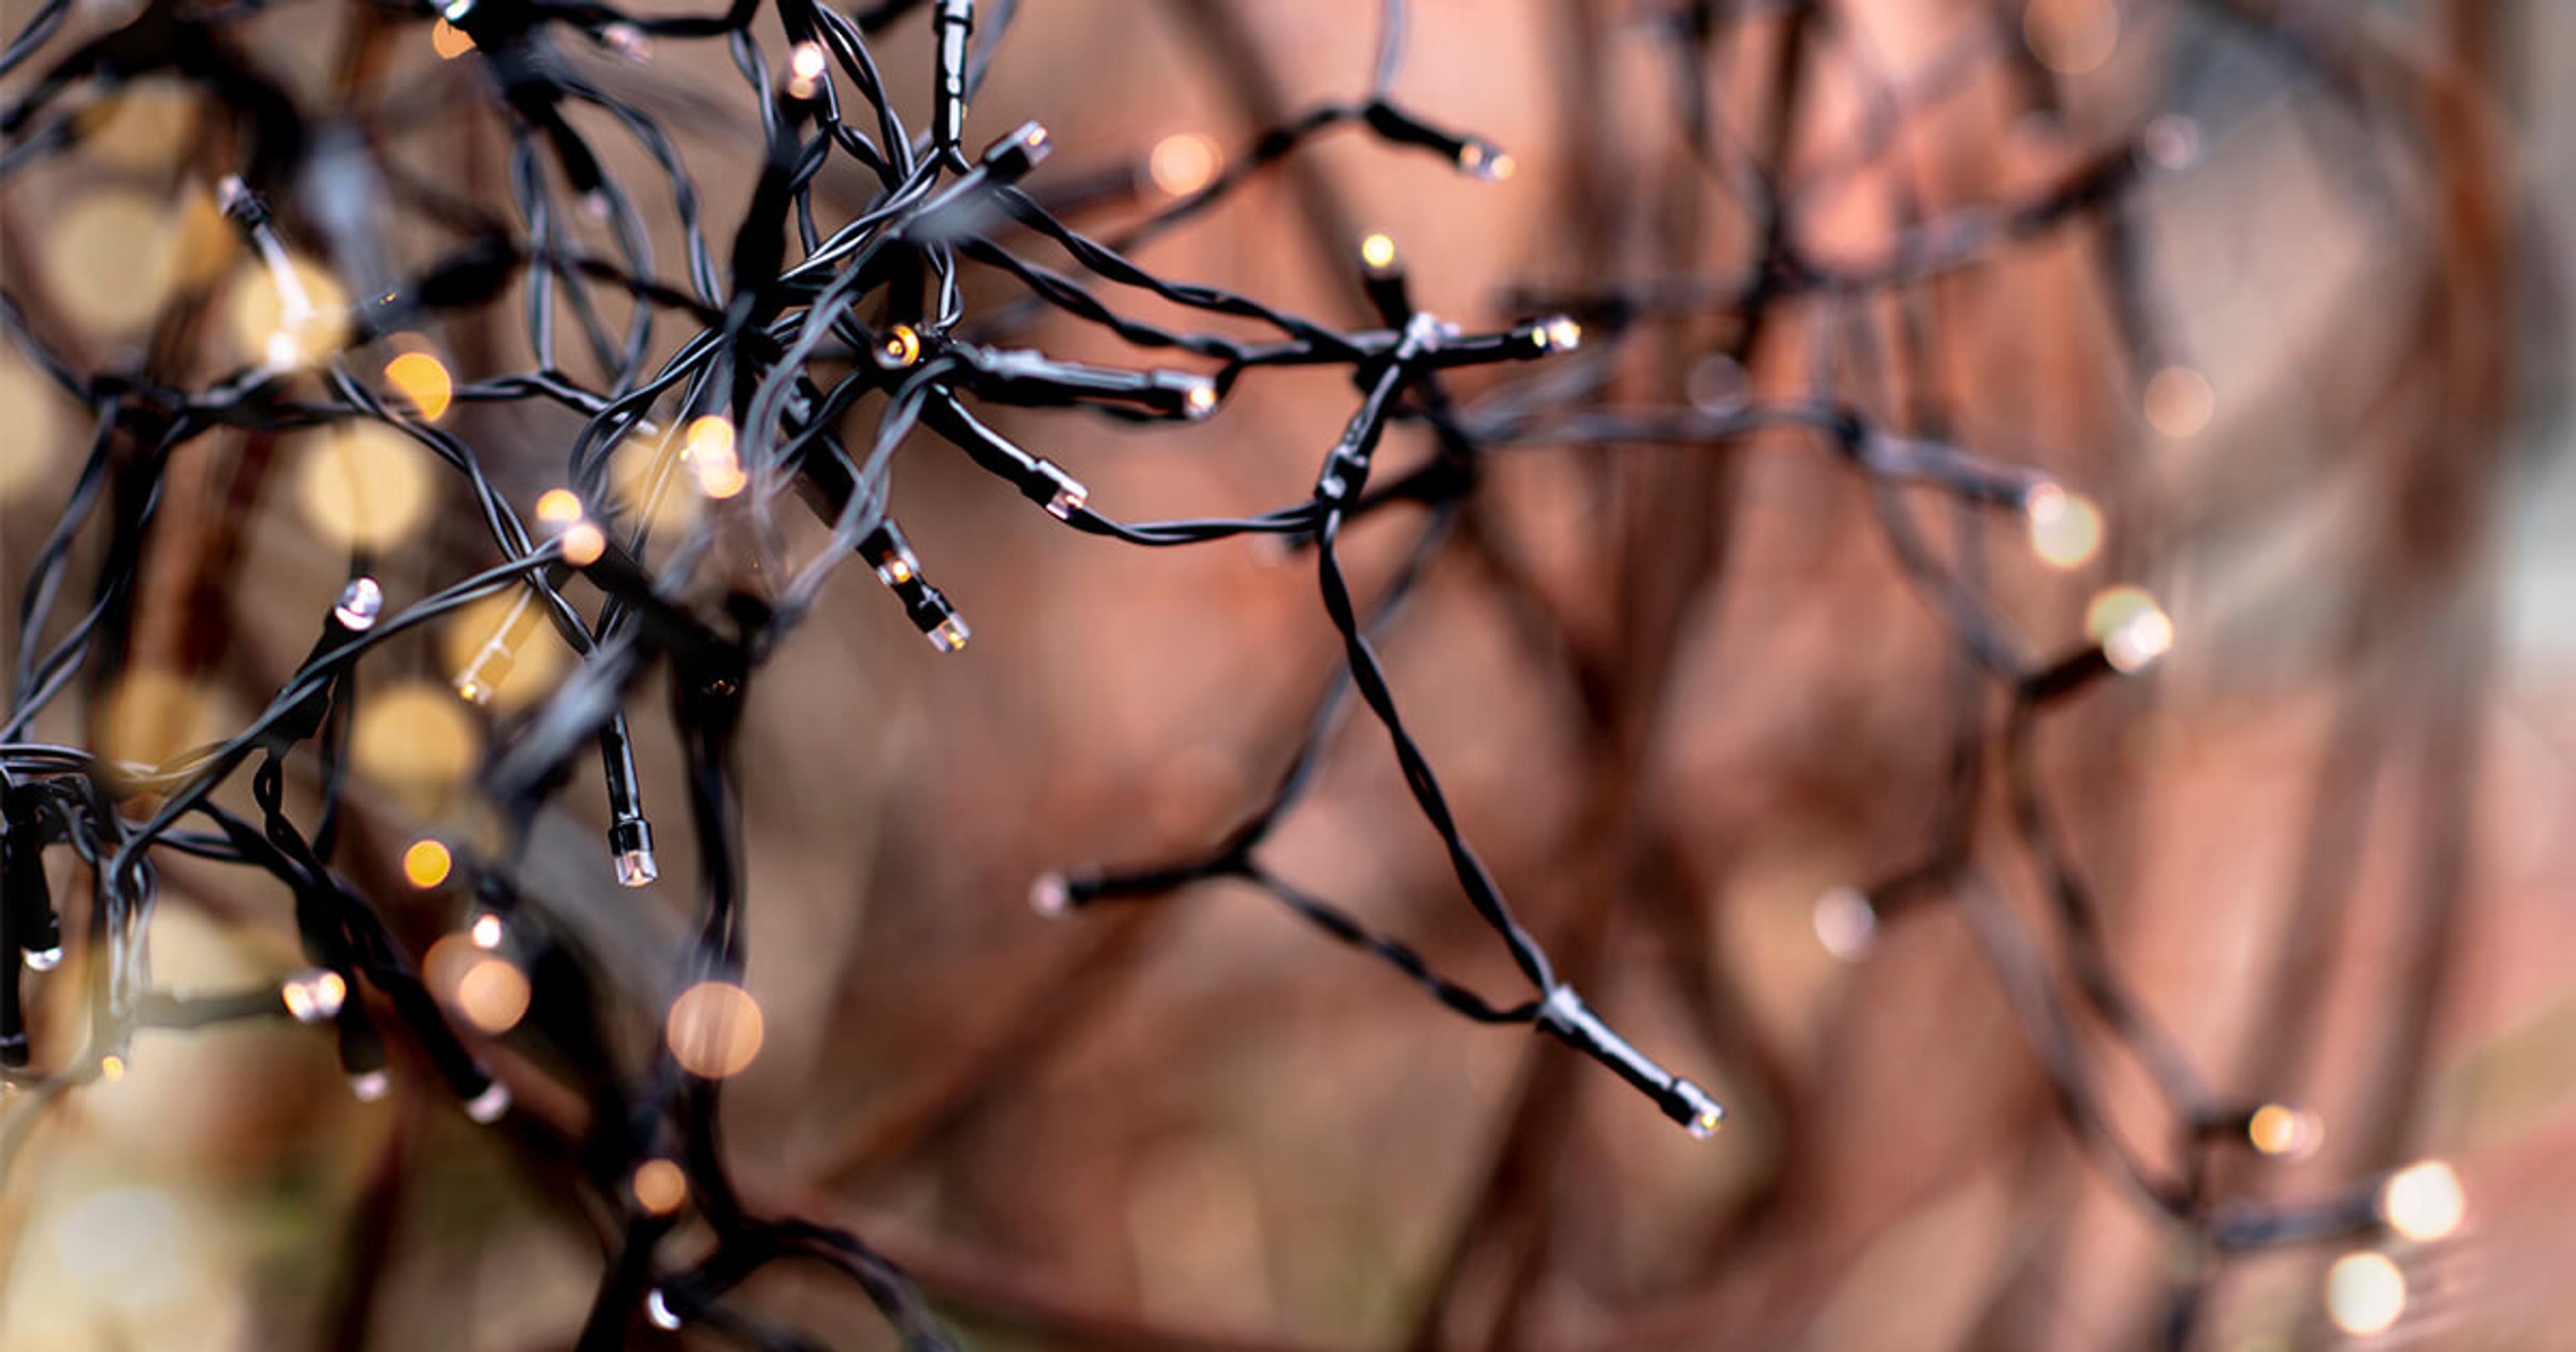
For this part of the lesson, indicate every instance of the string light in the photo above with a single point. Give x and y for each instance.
(773, 332)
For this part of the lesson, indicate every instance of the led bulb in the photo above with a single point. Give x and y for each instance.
(2065, 528)
(805, 70)
(658, 1186)
(1050, 895)
(487, 1107)
(487, 931)
(315, 995)
(951, 634)
(111, 1067)
(899, 348)
(657, 1308)
(628, 41)
(583, 544)
(1200, 401)
(637, 868)
(2279, 1129)
(43, 959)
(1378, 251)
(1483, 160)
(1560, 334)
(359, 604)
(560, 506)
(1846, 924)
(370, 1087)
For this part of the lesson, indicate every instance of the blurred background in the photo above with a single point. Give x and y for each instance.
(1677, 695)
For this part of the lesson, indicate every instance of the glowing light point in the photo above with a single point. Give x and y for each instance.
(1483, 160)
(805, 70)
(657, 1308)
(370, 1087)
(583, 544)
(487, 1107)
(359, 604)
(1846, 924)
(2133, 630)
(1560, 334)
(1183, 162)
(487, 931)
(1378, 251)
(111, 1067)
(1200, 401)
(1050, 895)
(561, 506)
(426, 863)
(628, 41)
(315, 995)
(422, 379)
(43, 959)
(2424, 1202)
(2365, 1293)
(899, 348)
(951, 635)
(2279, 1129)
(2065, 528)
(658, 1186)
(713, 1029)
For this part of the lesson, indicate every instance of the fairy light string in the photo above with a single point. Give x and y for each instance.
(810, 314)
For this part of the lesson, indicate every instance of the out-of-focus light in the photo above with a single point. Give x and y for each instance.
(2279, 1129)
(1378, 251)
(313, 996)
(2424, 1201)
(2133, 630)
(2171, 141)
(364, 486)
(492, 994)
(2179, 402)
(712, 459)
(805, 68)
(426, 864)
(288, 315)
(111, 1067)
(2365, 1293)
(713, 1029)
(117, 1234)
(448, 40)
(1183, 162)
(487, 1107)
(561, 506)
(422, 379)
(2065, 528)
(111, 258)
(413, 736)
(583, 543)
(2072, 37)
(1846, 924)
(487, 931)
(657, 1307)
(659, 1187)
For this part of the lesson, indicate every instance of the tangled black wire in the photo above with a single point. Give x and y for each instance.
(806, 330)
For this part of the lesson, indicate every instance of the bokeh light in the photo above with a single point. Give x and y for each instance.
(2365, 1293)
(363, 486)
(713, 1029)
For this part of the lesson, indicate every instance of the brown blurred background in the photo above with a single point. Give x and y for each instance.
(1675, 694)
